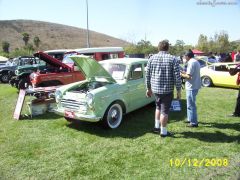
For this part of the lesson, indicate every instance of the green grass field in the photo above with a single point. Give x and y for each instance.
(48, 147)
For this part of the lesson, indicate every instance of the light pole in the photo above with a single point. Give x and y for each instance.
(88, 44)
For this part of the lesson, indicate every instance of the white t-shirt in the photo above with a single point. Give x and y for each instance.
(193, 69)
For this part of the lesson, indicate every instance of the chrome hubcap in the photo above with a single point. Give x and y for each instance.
(114, 114)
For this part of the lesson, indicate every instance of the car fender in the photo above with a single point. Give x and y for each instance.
(103, 99)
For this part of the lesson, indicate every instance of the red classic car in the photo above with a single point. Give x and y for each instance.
(66, 72)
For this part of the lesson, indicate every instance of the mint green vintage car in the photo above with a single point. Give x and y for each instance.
(112, 88)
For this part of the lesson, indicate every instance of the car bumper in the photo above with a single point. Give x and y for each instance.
(78, 116)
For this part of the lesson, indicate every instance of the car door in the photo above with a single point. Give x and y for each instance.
(222, 76)
(136, 87)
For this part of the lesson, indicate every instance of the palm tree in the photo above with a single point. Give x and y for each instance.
(25, 38)
(5, 46)
(36, 41)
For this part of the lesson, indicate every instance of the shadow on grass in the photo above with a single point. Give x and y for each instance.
(134, 124)
(210, 137)
(234, 126)
(47, 116)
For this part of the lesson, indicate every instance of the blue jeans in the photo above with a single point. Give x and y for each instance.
(191, 106)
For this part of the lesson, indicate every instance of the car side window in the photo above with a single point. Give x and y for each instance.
(136, 72)
(221, 68)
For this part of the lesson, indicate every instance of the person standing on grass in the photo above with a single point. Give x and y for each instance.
(162, 73)
(192, 85)
(233, 72)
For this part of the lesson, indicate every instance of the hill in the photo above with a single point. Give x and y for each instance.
(52, 35)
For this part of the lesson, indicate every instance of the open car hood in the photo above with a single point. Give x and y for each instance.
(91, 68)
(50, 60)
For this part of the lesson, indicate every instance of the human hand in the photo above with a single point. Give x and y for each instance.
(182, 73)
(149, 93)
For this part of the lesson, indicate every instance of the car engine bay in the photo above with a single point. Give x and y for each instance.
(88, 86)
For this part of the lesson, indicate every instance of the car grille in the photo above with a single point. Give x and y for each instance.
(71, 104)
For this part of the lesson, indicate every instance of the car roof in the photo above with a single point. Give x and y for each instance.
(125, 60)
(99, 49)
(58, 51)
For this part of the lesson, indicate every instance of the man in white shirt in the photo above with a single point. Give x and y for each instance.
(192, 85)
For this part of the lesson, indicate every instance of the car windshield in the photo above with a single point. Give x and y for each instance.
(115, 70)
(67, 59)
(211, 60)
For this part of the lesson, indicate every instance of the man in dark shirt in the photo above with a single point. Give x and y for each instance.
(162, 73)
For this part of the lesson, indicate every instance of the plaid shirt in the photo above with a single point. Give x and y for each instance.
(162, 73)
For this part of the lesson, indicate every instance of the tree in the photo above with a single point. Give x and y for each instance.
(203, 43)
(145, 47)
(5, 46)
(131, 49)
(212, 46)
(234, 45)
(179, 47)
(223, 42)
(36, 41)
(25, 38)
(142, 47)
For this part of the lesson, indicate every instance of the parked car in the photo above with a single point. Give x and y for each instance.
(66, 71)
(205, 61)
(112, 88)
(21, 78)
(55, 73)
(217, 74)
(8, 70)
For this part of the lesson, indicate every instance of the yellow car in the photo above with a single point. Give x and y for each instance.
(217, 74)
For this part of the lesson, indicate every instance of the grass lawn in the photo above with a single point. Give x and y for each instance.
(48, 147)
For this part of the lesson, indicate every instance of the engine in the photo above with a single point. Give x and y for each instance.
(89, 86)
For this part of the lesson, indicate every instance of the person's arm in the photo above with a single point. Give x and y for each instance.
(190, 70)
(233, 71)
(148, 79)
(177, 78)
(185, 75)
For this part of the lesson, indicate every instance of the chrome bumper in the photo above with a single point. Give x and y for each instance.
(78, 116)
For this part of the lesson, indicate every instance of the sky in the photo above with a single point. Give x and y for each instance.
(134, 20)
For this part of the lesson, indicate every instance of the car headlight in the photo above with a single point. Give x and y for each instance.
(17, 72)
(89, 99)
(58, 95)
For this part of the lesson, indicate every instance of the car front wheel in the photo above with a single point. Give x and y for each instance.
(113, 116)
(5, 78)
(206, 81)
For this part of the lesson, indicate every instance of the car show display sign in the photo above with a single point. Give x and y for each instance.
(175, 106)
(19, 104)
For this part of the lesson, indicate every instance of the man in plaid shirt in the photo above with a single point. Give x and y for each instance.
(162, 73)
